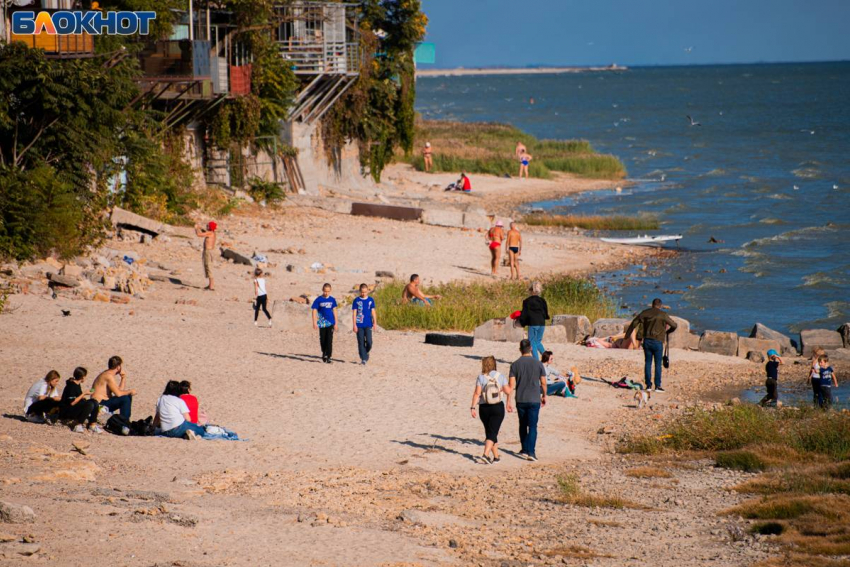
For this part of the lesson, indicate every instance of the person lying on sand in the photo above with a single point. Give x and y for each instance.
(412, 294)
(614, 341)
(114, 397)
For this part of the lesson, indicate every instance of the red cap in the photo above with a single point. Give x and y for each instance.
(212, 225)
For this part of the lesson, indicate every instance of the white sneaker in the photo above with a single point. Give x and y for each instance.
(95, 428)
(255, 324)
(270, 323)
(79, 428)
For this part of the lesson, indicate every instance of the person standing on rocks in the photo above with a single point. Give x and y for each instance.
(535, 312)
(655, 327)
(528, 381)
(363, 319)
(112, 396)
(209, 245)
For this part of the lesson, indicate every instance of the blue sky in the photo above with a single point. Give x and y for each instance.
(515, 33)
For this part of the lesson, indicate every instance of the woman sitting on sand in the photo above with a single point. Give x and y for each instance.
(487, 399)
(616, 341)
(42, 398)
(196, 414)
(172, 415)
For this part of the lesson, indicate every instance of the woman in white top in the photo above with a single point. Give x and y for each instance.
(42, 397)
(260, 297)
(172, 415)
(814, 374)
(487, 396)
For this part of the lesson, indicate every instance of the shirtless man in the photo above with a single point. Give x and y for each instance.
(524, 160)
(514, 242)
(494, 242)
(426, 155)
(209, 245)
(412, 293)
(111, 395)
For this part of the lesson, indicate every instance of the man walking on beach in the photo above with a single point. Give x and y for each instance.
(514, 240)
(209, 245)
(114, 397)
(655, 326)
(528, 381)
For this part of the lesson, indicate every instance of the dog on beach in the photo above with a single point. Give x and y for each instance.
(642, 398)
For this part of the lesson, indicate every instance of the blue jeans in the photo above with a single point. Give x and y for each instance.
(528, 414)
(364, 342)
(652, 349)
(180, 431)
(556, 389)
(535, 336)
(121, 404)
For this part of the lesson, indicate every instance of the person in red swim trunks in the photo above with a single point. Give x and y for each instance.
(495, 236)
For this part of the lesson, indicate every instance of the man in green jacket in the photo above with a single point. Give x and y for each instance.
(654, 325)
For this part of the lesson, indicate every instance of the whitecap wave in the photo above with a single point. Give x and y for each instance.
(806, 172)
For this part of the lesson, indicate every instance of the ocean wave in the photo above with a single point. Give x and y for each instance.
(806, 172)
(772, 221)
(823, 279)
(797, 234)
(838, 310)
(714, 172)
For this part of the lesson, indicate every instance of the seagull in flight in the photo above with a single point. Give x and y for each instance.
(693, 122)
(689, 49)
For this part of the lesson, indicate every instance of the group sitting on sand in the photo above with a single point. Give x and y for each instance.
(109, 401)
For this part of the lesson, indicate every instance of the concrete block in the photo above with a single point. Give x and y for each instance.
(718, 342)
(66, 281)
(123, 218)
(576, 326)
(789, 346)
(475, 221)
(502, 330)
(824, 338)
(691, 342)
(746, 345)
(71, 270)
(680, 337)
(610, 327)
(443, 217)
(555, 334)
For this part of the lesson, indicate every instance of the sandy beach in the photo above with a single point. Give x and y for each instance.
(344, 464)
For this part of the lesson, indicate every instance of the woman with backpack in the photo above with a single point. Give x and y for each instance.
(487, 399)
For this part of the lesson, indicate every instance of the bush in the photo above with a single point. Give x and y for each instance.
(746, 461)
(465, 305)
(267, 192)
(593, 222)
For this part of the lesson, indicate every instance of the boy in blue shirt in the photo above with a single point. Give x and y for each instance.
(828, 379)
(324, 319)
(363, 319)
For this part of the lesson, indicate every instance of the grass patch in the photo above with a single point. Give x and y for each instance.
(805, 493)
(571, 493)
(746, 461)
(488, 148)
(465, 305)
(648, 472)
(593, 222)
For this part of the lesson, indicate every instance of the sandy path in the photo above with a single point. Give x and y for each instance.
(344, 448)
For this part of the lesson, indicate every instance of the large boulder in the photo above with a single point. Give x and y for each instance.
(691, 341)
(443, 217)
(845, 334)
(824, 338)
(747, 345)
(576, 326)
(12, 513)
(122, 218)
(291, 316)
(718, 342)
(237, 258)
(555, 334)
(789, 347)
(610, 327)
(502, 330)
(680, 337)
(66, 281)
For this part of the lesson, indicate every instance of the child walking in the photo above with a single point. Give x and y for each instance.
(814, 374)
(260, 297)
(324, 319)
(363, 319)
(828, 379)
(772, 382)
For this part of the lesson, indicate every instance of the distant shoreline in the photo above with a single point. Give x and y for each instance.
(461, 72)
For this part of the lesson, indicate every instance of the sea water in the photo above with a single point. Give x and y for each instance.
(767, 174)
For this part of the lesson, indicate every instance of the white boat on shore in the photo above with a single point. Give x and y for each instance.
(645, 240)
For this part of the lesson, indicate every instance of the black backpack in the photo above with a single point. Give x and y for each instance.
(118, 424)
